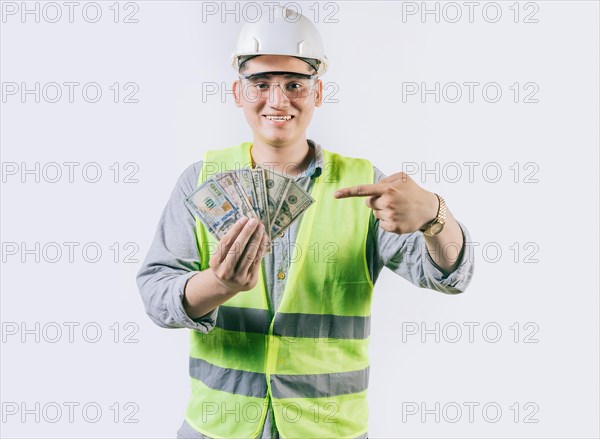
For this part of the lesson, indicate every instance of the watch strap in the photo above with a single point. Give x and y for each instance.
(440, 218)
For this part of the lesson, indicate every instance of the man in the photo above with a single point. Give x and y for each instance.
(279, 340)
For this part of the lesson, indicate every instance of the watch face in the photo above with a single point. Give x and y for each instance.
(434, 229)
(437, 228)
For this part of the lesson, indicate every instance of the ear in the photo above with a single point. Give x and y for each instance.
(236, 92)
(318, 93)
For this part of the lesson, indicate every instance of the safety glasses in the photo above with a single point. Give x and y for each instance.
(257, 86)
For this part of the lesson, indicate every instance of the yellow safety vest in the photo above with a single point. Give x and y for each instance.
(309, 359)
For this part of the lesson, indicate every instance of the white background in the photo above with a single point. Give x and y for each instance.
(171, 53)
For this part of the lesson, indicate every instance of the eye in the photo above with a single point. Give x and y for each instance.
(261, 85)
(294, 86)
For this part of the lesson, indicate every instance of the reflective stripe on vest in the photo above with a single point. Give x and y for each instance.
(310, 359)
(232, 318)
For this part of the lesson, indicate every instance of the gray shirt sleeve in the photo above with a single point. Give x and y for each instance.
(173, 258)
(407, 256)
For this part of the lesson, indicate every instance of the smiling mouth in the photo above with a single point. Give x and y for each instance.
(278, 118)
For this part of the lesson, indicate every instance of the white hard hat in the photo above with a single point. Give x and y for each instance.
(282, 32)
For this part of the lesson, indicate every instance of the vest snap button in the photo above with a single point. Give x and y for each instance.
(281, 275)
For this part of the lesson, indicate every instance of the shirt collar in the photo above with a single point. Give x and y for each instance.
(316, 164)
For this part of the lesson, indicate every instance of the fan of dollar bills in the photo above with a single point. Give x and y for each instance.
(256, 193)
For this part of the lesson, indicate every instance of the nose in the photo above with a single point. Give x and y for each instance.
(277, 96)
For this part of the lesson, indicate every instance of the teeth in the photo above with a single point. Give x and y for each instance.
(279, 118)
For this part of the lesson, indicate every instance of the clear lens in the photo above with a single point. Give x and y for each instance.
(263, 86)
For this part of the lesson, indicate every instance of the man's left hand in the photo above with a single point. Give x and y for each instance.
(400, 204)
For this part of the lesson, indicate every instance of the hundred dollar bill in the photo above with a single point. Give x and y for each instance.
(214, 207)
(244, 178)
(258, 178)
(294, 204)
(277, 186)
(229, 182)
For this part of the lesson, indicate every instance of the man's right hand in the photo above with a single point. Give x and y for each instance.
(236, 262)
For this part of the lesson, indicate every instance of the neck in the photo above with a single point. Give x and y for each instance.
(289, 160)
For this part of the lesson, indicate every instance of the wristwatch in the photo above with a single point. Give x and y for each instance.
(437, 225)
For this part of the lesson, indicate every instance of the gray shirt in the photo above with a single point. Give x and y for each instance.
(174, 257)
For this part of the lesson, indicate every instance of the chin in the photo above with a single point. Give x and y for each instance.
(278, 140)
(275, 137)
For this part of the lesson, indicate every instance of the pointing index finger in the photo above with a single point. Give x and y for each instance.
(362, 190)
